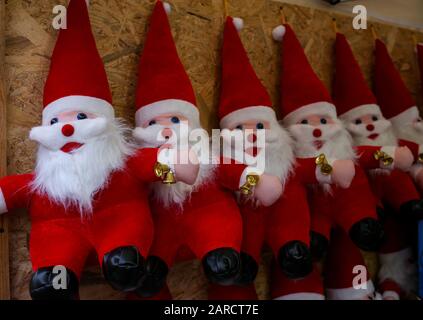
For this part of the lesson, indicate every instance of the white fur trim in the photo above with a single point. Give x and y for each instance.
(405, 117)
(238, 23)
(249, 113)
(246, 172)
(415, 170)
(360, 111)
(350, 293)
(278, 33)
(93, 105)
(322, 107)
(3, 206)
(167, 7)
(302, 296)
(391, 294)
(167, 157)
(390, 151)
(172, 106)
(397, 267)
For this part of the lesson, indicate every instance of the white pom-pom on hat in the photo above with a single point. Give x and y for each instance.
(278, 33)
(238, 23)
(167, 7)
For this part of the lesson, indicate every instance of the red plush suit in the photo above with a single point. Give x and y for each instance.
(120, 217)
(209, 220)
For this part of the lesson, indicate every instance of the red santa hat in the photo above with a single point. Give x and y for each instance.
(340, 269)
(77, 80)
(392, 95)
(243, 96)
(163, 84)
(351, 94)
(420, 59)
(302, 92)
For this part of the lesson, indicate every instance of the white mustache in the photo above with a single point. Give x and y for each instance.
(152, 135)
(51, 136)
(360, 130)
(304, 132)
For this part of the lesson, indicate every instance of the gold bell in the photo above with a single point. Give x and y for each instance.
(169, 178)
(420, 158)
(325, 168)
(386, 159)
(251, 181)
(163, 172)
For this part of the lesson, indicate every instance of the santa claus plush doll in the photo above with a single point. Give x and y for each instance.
(203, 216)
(85, 193)
(395, 189)
(281, 221)
(310, 116)
(419, 51)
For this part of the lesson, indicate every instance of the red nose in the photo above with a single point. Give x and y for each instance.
(252, 138)
(68, 130)
(370, 127)
(317, 133)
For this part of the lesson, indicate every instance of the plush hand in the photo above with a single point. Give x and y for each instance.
(343, 173)
(186, 166)
(268, 190)
(403, 158)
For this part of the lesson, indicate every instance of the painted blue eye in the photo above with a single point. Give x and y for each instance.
(54, 120)
(239, 127)
(304, 121)
(260, 125)
(152, 122)
(323, 121)
(358, 122)
(81, 116)
(175, 119)
(375, 118)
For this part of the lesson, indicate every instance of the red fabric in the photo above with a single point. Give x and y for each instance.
(210, 220)
(76, 67)
(345, 207)
(420, 59)
(120, 217)
(217, 292)
(414, 147)
(238, 76)
(281, 286)
(390, 285)
(300, 85)
(230, 174)
(321, 220)
(342, 257)
(392, 94)
(287, 220)
(142, 164)
(394, 189)
(350, 89)
(366, 158)
(305, 170)
(161, 75)
(396, 235)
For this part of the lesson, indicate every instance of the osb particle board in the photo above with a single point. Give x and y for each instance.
(119, 28)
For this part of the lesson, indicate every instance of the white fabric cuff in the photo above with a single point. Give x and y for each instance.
(167, 157)
(390, 151)
(391, 294)
(322, 178)
(246, 172)
(3, 206)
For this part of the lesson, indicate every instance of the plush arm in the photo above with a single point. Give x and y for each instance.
(309, 173)
(15, 192)
(143, 162)
(415, 149)
(231, 175)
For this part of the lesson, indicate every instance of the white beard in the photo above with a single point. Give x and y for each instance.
(382, 127)
(179, 193)
(73, 179)
(337, 141)
(412, 132)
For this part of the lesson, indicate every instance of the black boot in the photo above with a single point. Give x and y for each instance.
(295, 259)
(319, 245)
(154, 279)
(412, 209)
(367, 234)
(123, 268)
(222, 266)
(249, 269)
(43, 285)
